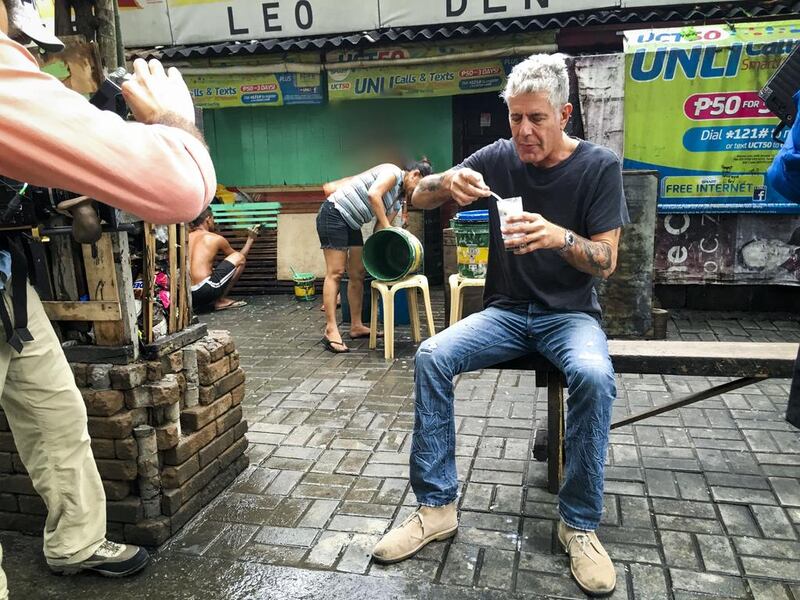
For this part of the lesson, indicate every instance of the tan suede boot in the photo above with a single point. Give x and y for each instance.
(590, 565)
(426, 524)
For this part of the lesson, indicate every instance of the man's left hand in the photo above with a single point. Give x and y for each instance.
(538, 233)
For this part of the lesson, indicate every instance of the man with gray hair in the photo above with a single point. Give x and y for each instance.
(539, 297)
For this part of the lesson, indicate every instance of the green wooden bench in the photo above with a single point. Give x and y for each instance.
(243, 215)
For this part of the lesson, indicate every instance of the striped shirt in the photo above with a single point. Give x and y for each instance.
(352, 200)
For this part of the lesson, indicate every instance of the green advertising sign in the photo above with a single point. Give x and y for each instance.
(417, 81)
(692, 112)
(430, 69)
(254, 89)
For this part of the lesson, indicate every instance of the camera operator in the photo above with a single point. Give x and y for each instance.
(784, 176)
(158, 169)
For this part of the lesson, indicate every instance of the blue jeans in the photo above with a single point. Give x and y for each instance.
(573, 342)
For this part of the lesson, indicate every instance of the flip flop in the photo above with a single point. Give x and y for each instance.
(362, 336)
(237, 304)
(329, 346)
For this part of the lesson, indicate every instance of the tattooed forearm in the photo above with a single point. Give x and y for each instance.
(591, 257)
(431, 191)
(431, 183)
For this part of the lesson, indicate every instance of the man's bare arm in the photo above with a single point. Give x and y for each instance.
(597, 256)
(432, 191)
(462, 185)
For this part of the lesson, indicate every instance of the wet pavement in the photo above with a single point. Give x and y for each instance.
(701, 503)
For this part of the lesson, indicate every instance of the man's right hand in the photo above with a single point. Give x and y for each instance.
(254, 231)
(466, 186)
(153, 93)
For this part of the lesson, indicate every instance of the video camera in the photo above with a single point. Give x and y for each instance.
(24, 207)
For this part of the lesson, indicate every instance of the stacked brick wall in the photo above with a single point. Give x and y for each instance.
(167, 436)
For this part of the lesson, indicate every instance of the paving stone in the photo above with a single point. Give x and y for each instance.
(288, 512)
(358, 524)
(560, 586)
(507, 499)
(243, 508)
(460, 566)
(232, 539)
(701, 583)
(635, 512)
(633, 553)
(700, 510)
(742, 495)
(284, 482)
(286, 536)
(768, 590)
(649, 582)
(544, 562)
(717, 554)
(357, 555)
(272, 555)
(787, 490)
(497, 570)
(630, 488)
(771, 567)
(692, 486)
(488, 521)
(198, 537)
(318, 513)
(773, 522)
(767, 548)
(327, 549)
(738, 520)
(679, 550)
(661, 483)
(688, 524)
(488, 539)
(499, 477)
(627, 535)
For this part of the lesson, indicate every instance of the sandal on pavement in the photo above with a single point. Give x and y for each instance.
(329, 346)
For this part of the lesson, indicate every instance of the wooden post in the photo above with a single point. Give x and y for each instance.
(186, 280)
(184, 283)
(148, 284)
(65, 286)
(127, 307)
(101, 280)
(106, 32)
(555, 431)
(172, 239)
(63, 17)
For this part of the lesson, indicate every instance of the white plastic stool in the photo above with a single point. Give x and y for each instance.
(457, 284)
(387, 290)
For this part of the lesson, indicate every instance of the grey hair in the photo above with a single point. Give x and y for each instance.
(540, 73)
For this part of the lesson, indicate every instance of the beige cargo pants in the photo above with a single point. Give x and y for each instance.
(48, 420)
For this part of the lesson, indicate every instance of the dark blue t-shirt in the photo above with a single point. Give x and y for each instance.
(582, 193)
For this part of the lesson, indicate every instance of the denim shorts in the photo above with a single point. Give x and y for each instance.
(334, 233)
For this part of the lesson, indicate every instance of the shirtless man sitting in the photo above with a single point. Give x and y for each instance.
(210, 284)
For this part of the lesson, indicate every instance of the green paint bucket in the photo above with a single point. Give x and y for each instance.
(303, 286)
(471, 229)
(391, 254)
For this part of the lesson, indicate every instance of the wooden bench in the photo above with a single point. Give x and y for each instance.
(748, 362)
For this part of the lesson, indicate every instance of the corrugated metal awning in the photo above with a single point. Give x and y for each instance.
(698, 13)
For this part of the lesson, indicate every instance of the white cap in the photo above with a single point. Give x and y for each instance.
(26, 19)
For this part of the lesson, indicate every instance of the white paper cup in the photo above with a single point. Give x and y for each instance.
(509, 207)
